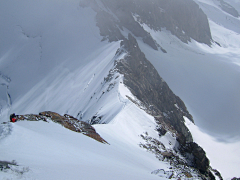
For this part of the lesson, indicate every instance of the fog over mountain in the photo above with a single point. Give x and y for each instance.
(120, 89)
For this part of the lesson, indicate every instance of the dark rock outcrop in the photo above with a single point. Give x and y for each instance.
(6, 164)
(180, 168)
(200, 161)
(235, 178)
(67, 121)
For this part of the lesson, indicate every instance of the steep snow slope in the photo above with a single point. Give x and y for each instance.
(216, 14)
(52, 58)
(78, 92)
(48, 151)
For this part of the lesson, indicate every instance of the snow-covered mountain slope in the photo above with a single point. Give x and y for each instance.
(49, 151)
(35, 44)
(216, 101)
(52, 58)
(57, 66)
(206, 78)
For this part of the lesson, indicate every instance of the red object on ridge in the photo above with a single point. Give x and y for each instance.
(14, 119)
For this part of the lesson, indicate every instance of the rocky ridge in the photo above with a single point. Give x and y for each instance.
(66, 121)
(156, 98)
(152, 91)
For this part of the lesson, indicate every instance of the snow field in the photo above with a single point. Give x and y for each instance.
(223, 156)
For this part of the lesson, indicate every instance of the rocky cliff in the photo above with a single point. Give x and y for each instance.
(183, 18)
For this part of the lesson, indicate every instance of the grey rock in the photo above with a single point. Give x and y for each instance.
(183, 18)
(6, 164)
(200, 161)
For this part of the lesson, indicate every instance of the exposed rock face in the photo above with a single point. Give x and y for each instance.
(157, 99)
(67, 121)
(200, 161)
(183, 18)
